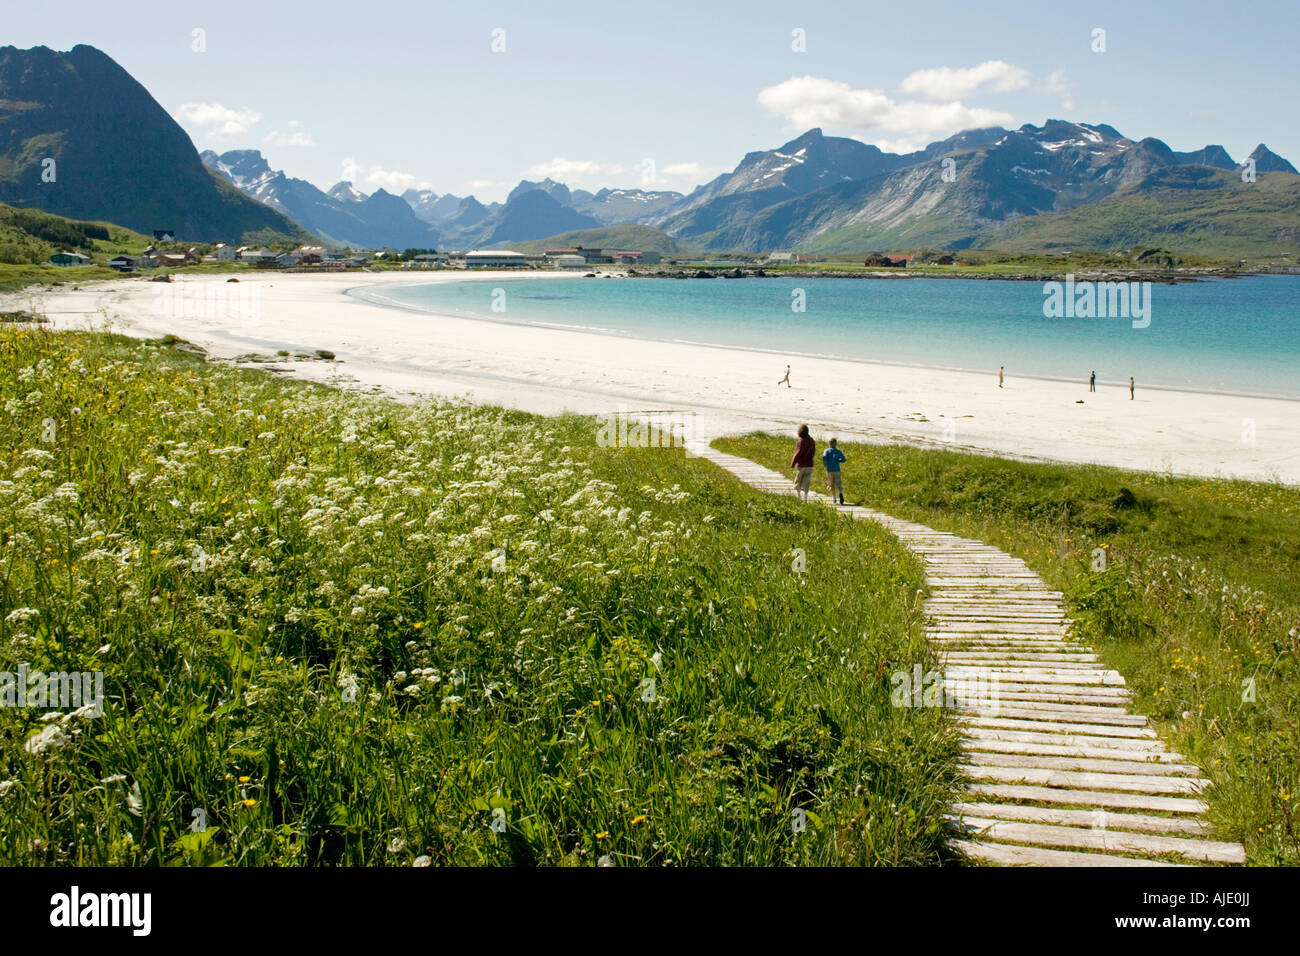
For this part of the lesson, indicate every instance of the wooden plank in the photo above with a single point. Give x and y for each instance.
(1134, 725)
(1104, 765)
(1118, 841)
(1034, 747)
(1007, 854)
(1105, 819)
(1089, 798)
(1085, 780)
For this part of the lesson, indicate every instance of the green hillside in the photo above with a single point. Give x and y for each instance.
(28, 237)
(1207, 212)
(631, 236)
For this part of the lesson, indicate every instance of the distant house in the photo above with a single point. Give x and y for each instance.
(807, 257)
(223, 253)
(635, 257)
(310, 255)
(942, 261)
(495, 259)
(569, 260)
(881, 261)
(124, 263)
(255, 256)
(171, 259)
(780, 258)
(69, 259)
(164, 235)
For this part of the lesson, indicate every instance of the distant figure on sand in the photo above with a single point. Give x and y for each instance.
(1000, 368)
(1092, 381)
(832, 458)
(786, 380)
(802, 462)
(1130, 388)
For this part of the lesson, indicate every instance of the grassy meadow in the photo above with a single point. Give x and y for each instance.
(1189, 587)
(351, 631)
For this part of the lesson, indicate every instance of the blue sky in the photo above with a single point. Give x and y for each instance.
(411, 93)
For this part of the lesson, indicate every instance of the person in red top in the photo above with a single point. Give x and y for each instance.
(802, 462)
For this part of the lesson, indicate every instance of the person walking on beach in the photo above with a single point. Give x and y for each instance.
(786, 380)
(1000, 368)
(832, 458)
(802, 462)
(1130, 388)
(1092, 381)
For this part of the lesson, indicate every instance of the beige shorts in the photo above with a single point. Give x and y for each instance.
(802, 479)
(836, 482)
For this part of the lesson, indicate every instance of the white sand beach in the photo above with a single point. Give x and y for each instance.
(729, 390)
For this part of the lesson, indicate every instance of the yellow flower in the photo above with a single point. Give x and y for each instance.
(638, 820)
(602, 835)
(250, 802)
(419, 624)
(244, 779)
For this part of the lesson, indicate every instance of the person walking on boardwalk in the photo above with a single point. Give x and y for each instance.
(1130, 388)
(1092, 381)
(1000, 370)
(786, 381)
(802, 462)
(832, 458)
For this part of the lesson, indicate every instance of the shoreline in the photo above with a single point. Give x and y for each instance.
(360, 292)
(725, 389)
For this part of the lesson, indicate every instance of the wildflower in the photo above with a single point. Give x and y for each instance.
(250, 802)
(638, 820)
(396, 845)
(51, 737)
(422, 861)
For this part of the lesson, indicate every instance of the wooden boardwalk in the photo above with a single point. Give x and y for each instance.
(1061, 772)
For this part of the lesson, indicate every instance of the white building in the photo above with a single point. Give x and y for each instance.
(496, 259)
(223, 253)
(569, 261)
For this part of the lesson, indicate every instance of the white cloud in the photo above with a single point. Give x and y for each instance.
(481, 183)
(298, 138)
(807, 101)
(217, 120)
(692, 171)
(949, 83)
(368, 178)
(573, 170)
(1059, 84)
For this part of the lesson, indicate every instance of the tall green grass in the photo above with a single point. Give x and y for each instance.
(357, 632)
(1190, 587)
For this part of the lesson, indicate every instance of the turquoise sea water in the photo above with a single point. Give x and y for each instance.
(1222, 335)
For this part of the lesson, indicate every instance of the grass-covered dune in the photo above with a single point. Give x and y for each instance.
(356, 632)
(1189, 587)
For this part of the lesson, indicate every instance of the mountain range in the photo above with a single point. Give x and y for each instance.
(121, 158)
(81, 138)
(1063, 181)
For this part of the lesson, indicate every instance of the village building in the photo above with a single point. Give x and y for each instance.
(69, 259)
(569, 260)
(635, 257)
(495, 259)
